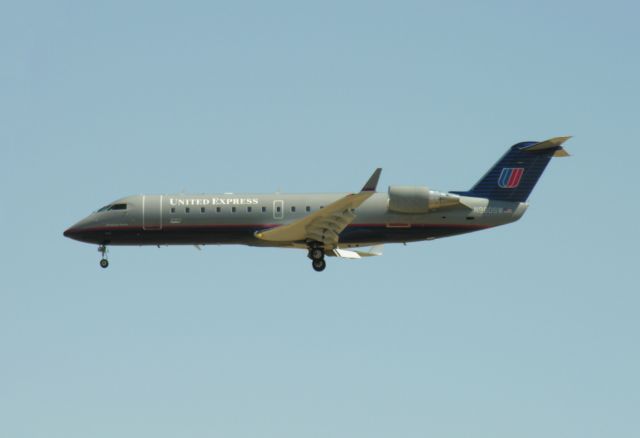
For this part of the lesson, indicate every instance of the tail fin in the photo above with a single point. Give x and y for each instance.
(513, 177)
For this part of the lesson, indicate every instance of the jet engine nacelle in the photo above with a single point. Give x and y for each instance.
(417, 199)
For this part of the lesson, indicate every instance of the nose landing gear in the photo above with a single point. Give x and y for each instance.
(102, 249)
(316, 254)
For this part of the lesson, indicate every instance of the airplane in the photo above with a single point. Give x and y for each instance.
(337, 225)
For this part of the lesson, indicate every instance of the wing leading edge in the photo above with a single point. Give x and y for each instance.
(324, 225)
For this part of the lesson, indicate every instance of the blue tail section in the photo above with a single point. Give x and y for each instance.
(515, 175)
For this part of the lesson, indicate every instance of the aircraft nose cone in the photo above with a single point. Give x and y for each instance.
(83, 231)
(76, 230)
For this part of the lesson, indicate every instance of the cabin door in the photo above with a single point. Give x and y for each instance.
(152, 212)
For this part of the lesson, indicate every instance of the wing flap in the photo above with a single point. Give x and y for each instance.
(347, 254)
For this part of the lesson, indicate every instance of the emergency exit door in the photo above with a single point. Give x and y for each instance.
(278, 209)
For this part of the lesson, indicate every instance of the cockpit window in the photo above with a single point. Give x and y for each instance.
(113, 207)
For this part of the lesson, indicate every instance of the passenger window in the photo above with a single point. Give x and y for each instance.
(187, 210)
(293, 209)
(248, 209)
(233, 209)
(264, 209)
(202, 210)
(173, 209)
(278, 209)
(308, 208)
(218, 209)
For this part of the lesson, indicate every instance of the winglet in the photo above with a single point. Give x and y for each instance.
(371, 185)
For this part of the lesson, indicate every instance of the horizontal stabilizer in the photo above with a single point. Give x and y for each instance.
(552, 143)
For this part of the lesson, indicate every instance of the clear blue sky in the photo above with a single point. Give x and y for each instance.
(527, 330)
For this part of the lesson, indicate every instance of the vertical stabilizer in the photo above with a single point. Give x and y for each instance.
(515, 175)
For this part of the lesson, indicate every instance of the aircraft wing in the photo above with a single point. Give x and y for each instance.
(326, 224)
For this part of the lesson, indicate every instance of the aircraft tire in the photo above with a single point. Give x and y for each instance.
(319, 265)
(316, 253)
(104, 263)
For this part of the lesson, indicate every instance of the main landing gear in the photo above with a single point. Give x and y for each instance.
(104, 263)
(319, 265)
(316, 254)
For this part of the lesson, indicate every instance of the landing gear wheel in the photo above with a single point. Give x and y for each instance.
(102, 249)
(319, 265)
(316, 253)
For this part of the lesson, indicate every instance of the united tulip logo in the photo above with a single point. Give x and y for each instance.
(510, 177)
